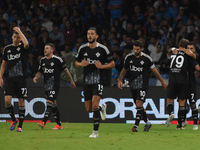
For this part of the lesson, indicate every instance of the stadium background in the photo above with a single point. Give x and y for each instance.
(138, 19)
(121, 108)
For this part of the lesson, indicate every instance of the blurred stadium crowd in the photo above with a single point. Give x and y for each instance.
(159, 24)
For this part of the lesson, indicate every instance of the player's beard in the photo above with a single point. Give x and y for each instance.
(91, 42)
(137, 54)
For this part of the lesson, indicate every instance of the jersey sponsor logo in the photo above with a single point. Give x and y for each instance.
(18, 49)
(48, 70)
(52, 64)
(85, 54)
(142, 62)
(98, 54)
(138, 69)
(92, 61)
(13, 57)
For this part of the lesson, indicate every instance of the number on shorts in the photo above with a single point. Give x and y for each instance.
(52, 92)
(192, 95)
(142, 94)
(24, 91)
(100, 87)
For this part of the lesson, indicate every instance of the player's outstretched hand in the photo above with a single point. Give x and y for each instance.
(73, 85)
(1, 82)
(35, 80)
(119, 84)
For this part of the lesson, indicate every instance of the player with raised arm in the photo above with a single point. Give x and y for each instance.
(95, 58)
(137, 64)
(51, 67)
(179, 82)
(13, 68)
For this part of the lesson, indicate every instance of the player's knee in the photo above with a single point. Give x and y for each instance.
(95, 106)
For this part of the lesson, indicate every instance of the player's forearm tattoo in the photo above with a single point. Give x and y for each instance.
(122, 74)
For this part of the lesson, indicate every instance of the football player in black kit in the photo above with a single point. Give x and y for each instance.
(51, 66)
(192, 86)
(138, 64)
(13, 67)
(95, 58)
(180, 82)
(190, 51)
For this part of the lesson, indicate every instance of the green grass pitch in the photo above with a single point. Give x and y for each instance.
(112, 136)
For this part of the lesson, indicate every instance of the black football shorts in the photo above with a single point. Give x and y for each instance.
(15, 87)
(92, 89)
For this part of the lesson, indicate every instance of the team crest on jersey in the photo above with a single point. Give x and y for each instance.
(85, 54)
(43, 64)
(9, 51)
(98, 54)
(52, 64)
(18, 49)
(142, 62)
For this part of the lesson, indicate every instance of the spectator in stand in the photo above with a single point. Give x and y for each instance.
(177, 28)
(117, 25)
(161, 13)
(150, 23)
(159, 3)
(166, 35)
(137, 15)
(40, 12)
(48, 24)
(196, 40)
(93, 18)
(137, 26)
(144, 42)
(115, 8)
(182, 34)
(192, 32)
(172, 12)
(165, 59)
(79, 27)
(153, 44)
(129, 29)
(42, 42)
(57, 37)
(181, 15)
(36, 28)
(62, 8)
(117, 57)
(75, 12)
(156, 55)
(34, 56)
(69, 33)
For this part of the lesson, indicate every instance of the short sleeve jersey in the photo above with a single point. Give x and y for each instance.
(16, 60)
(93, 75)
(51, 69)
(138, 70)
(179, 68)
